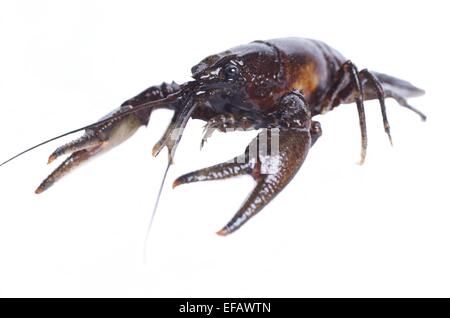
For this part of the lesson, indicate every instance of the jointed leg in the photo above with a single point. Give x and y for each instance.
(360, 105)
(348, 77)
(375, 83)
(229, 121)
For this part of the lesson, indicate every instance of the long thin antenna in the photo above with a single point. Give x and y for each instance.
(132, 110)
(154, 211)
(46, 142)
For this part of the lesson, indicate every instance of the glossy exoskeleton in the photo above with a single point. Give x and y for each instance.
(277, 86)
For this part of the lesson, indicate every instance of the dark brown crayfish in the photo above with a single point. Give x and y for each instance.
(277, 86)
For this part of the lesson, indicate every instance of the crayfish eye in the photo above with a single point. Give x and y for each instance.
(231, 71)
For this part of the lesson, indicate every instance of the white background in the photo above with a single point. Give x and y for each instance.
(338, 229)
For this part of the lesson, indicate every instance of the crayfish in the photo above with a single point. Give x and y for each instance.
(275, 86)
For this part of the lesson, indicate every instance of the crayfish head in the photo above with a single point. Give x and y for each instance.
(246, 78)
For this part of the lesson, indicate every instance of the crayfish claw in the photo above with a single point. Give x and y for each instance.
(95, 140)
(88, 140)
(71, 162)
(272, 159)
(270, 179)
(217, 172)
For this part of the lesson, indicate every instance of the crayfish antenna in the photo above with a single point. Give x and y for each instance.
(152, 217)
(168, 99)
(171, 138)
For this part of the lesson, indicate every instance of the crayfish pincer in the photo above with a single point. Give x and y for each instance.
(275, 86)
